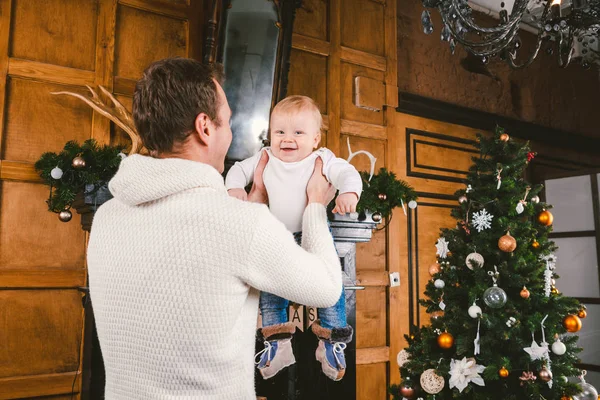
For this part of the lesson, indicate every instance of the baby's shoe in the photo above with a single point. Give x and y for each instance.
(277, 353)
(330, 351)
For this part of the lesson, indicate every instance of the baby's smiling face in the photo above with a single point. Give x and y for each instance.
(294, 136)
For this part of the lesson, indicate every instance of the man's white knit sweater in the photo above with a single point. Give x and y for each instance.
(175, 268)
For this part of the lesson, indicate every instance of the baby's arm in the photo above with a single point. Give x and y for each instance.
(240, 175)
(346, 179)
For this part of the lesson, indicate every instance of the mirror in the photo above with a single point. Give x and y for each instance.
(254, 43)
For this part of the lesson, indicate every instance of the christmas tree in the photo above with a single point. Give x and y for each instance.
(498, 323)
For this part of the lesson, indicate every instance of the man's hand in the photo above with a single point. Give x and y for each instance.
(345, 203)
(258, 193)
(238, 194)
(319, 190)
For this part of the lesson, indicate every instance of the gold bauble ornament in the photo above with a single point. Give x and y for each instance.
(545, 374)
(507, 243)
(582, 313)
(65, 215)
(554, 290)
(434, 269)
(78, 163)
(504, 137)
(545, 218)
(524, 293)
(382, 196)
(572, 323)
(535, 244)
(566, 398)
(503, 373)
(445, 340)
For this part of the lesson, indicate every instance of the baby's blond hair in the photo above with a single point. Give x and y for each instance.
(295, 103)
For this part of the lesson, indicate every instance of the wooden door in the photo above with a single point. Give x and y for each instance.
(335, 43)
(45, 46)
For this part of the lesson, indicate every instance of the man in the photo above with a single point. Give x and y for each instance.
(176, 265)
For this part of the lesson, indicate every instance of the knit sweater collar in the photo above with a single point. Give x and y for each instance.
(141, 179)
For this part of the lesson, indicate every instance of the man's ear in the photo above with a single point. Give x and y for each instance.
(204, 128)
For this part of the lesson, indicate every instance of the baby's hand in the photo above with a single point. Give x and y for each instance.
(238, 194)
(345, 203)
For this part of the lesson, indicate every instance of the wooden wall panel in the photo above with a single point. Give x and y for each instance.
(363, 26)
(371, 321)
(32, 237)
(143, 37)
(306, 67)
(55, 45)
(371, 381)
(39, 331)
(312, 19)
(67, 38)
(349, 110)
(32, 112)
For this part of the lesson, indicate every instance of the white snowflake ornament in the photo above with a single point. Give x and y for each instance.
(442, 248)
(482, 220)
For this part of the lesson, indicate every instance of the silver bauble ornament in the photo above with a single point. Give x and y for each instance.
(477, 258)
(588, 392)
(376, 217)
(412, 204)
(559, 348)
(78, 163)
(462, 199)
(65, 216)
(545, 375)
(495, 297)
(56, 173)
(382, 196)
(439, 283)
(535, 199)
(475, 311)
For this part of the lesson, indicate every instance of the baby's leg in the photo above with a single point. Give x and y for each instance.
(334, 333)
(273, 309)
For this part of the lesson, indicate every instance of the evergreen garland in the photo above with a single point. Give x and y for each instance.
(101, 164)
(383, 193)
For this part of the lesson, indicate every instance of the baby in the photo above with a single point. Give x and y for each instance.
(295, 133)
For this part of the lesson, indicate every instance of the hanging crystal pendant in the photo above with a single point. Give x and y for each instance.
(426, 22)
(445, 36)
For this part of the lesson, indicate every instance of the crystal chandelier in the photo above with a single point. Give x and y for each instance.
(569, 29)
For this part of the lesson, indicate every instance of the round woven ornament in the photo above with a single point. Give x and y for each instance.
(403, 357)
(431, 382)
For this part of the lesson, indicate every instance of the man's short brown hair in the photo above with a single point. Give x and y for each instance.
(169, 97)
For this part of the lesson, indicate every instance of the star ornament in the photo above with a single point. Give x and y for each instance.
(537, 352)
(465, 371)
(442, 248)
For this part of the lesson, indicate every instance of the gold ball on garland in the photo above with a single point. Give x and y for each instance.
(65, 215)
(434, 269)
(407, 391)
(503, 373)
(572, 323)
(524, 293)
(507, 243)
(582, 313)
(382, 196)
(554, 290)
(462, 199)
(545, 218)
(504, 137)
(78, 163)
(535, 244)
(376, 217)
(545, 374)
(445, 340)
